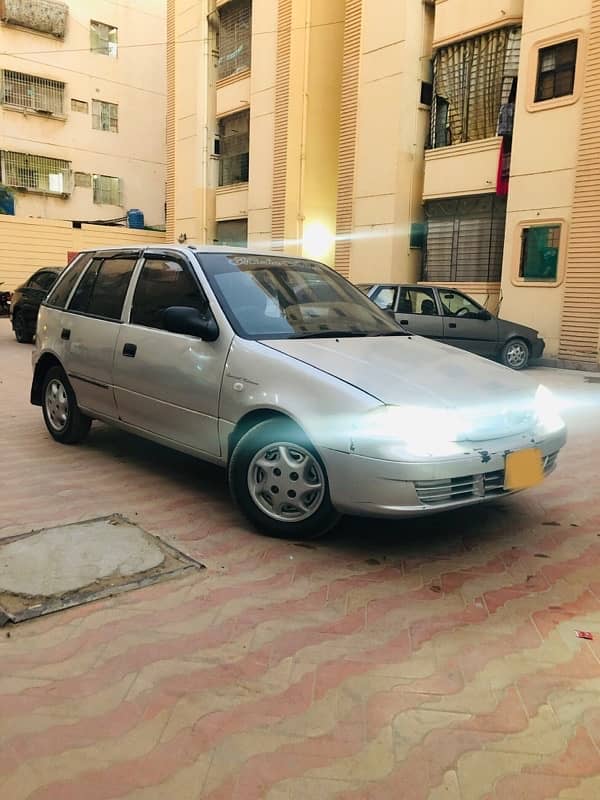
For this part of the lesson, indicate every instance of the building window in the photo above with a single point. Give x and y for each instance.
(35, 173)
(107, 190)
(105, 116)
(80, 106)
(30, 93)
(83, 180)
(539, 253)
(103, 39)
(42, 16)
(235, 36)
(232, 233)
(472, 81)
(556, 71)
(465, 239)
(234, 135)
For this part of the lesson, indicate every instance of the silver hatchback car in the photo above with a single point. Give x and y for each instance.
(279, 369)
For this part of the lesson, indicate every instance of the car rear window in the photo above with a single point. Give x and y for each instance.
(60, 294)
(101, 291)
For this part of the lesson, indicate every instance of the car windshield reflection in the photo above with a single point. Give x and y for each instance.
(268, 297)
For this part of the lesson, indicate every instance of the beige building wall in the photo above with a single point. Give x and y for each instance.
(543, 167)
(134, 80)
(29, 244)
(340, 166)
(392, 129)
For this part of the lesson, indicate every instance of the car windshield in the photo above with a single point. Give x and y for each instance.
(270, 297)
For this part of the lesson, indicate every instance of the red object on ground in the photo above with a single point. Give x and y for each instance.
(584, 635)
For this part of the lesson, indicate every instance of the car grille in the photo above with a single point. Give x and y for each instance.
(469, 486)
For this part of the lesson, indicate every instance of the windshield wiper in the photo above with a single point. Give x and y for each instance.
(328, 335)
(345, 334)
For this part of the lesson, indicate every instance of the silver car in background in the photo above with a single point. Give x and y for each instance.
(278, 369)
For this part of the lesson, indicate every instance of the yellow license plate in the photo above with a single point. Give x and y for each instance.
(523, 469)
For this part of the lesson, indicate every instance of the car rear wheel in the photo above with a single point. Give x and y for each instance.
(23, 333)
(515, 354)
(64, 420)
(279, 482)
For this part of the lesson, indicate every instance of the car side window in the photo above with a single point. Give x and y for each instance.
(101, 291)
(418, 301)
(455, 304)
(163, 283)
(385, 297)
(60, 294)
(43, 280)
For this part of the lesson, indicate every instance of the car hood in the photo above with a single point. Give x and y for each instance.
(416, 372)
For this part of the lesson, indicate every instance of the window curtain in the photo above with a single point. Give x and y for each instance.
(473, 77)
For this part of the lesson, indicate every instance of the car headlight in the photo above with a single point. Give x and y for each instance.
(547, 411)
(409, 430)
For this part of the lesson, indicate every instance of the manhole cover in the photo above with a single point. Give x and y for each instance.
(56, 568)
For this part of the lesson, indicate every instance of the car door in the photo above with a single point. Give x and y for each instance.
(467, 325)
(90, 327)
(169, 383)
(417, 311)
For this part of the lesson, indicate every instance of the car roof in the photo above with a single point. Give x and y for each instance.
(194, 248)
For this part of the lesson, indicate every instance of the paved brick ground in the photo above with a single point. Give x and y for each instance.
(432, 659)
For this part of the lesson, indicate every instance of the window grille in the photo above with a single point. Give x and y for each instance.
(107, 190)
(30, 93)
(43, 16)
(105, 116)
(36, 173)
(83, 180)
(235, 37)
(233, 232)
(80, 105)
(465, 239)
(472, 80)
(234, 136)
(103, 39)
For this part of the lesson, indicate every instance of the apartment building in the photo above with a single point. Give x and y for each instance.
(82, 108)
(447, 142)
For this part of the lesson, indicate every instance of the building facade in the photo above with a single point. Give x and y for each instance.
(448, 142)
(82, 108)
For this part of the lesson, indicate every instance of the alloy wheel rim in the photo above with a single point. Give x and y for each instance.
(516, 355)
(286, 482)
(57, 405)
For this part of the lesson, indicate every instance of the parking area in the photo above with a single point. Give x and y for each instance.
(433, 659)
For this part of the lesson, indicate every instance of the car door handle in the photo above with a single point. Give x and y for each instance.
(129, 350)
(452, 324)
(65, 334)
(403, 322)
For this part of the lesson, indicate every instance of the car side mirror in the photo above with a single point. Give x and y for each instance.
(484, 315)
(191, 322)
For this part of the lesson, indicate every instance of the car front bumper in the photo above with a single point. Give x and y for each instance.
(537, 348)
(377, 488)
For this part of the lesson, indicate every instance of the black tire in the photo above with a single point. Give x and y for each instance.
(23, 333)
(275, 434)
(74, 426)
(515, 354)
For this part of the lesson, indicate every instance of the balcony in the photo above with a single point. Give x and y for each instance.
(465, 169)
(42, 16)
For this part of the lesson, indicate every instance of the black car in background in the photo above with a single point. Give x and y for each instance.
(454, 318)
(26, 301)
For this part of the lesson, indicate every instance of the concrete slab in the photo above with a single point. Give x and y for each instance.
(56, 568)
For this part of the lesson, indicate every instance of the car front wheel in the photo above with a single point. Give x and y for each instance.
(23, 333)
(515, 354)
(64, 420)
(279, 482)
